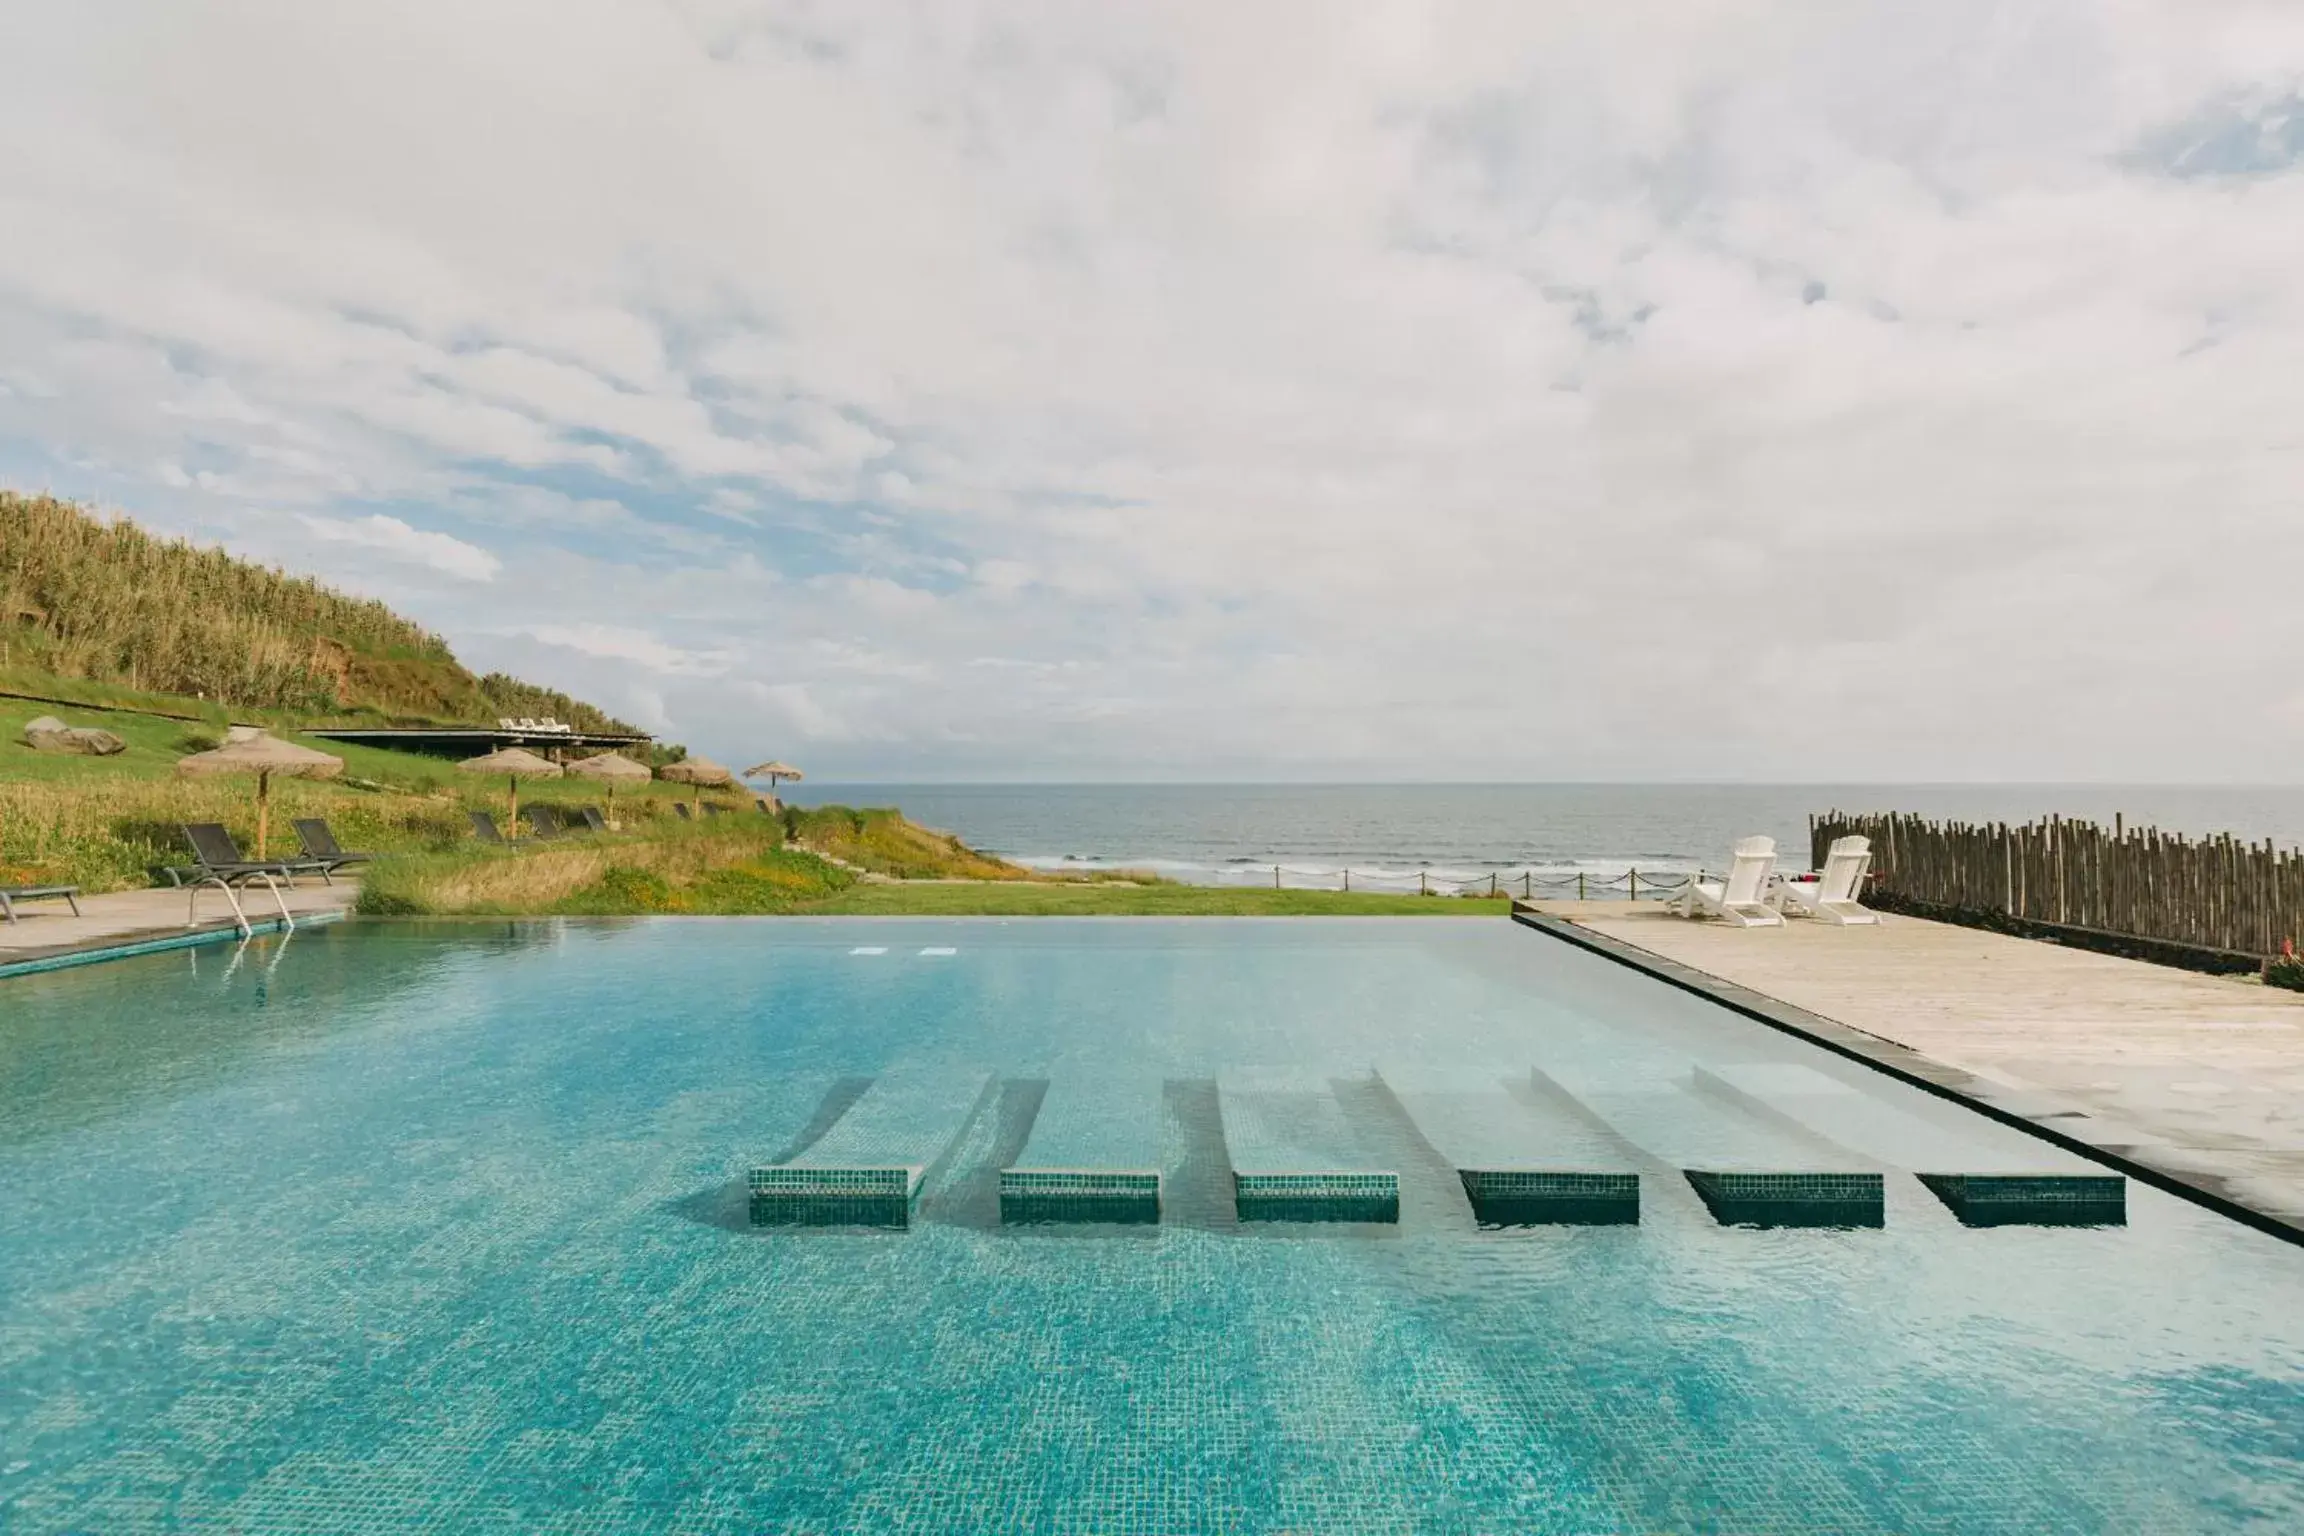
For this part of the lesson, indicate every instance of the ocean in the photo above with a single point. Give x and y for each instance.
(1396, 835)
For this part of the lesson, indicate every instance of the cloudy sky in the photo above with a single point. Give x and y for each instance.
(1716, 389)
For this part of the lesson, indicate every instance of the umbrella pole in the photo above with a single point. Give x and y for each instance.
(514, 780)
(263, 810)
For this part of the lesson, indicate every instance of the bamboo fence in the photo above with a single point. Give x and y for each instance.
(2213, 892)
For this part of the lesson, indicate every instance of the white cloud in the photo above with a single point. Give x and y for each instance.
(1483, 388)
(618, 643)
(389, 536)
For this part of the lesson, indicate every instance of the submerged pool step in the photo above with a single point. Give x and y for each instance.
(1294, 1157)
(866, 1170)
(1747, 1172)
(1989, 1176)
(1522, 1160)
(1093, 1155)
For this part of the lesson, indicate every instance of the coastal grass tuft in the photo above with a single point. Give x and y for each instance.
(881, 840)
(667, 867)
(735, 866)
(104, 603)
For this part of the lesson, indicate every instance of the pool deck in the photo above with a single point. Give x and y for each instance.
(2193, 1082)
(48, 931)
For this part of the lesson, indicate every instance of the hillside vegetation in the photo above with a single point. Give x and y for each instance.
(106, 823)
(98, 601)
(748, 865)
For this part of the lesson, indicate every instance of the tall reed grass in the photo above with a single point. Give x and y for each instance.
(638, 872)
(104, 600)
(109, 834)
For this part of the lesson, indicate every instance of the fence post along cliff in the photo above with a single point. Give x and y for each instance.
(2210, 893)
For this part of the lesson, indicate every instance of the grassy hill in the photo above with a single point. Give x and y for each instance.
(106, 823)
(105, 603)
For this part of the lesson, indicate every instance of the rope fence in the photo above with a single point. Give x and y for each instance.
(1630, 884)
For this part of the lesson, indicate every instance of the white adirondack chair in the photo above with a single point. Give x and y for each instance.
(1833, 895)
(1742, 898)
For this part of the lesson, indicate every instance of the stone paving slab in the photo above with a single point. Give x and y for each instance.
(48, 929)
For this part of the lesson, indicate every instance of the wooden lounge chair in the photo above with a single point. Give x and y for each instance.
(484, 828)
(1742, 897)
(546, 822)
(12, 894)
(320, 845)
(1832, 895)
(217, 861)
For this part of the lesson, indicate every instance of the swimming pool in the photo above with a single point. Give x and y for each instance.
(449, 1226)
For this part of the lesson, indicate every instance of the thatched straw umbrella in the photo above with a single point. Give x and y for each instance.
(610, 770)
(515, 763)
(247, 750)
(773, 771)
(699, 771)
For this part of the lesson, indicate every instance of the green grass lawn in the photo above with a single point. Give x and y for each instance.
(736, 868)
(153, 745)
(1115, 899)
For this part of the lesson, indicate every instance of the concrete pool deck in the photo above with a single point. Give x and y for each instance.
(2193, 1082)
(48, 931)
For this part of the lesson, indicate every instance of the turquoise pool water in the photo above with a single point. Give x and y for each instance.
(444, 1227)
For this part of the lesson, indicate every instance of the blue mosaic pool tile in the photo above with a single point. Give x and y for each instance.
(1740, 1199)
(1518, 1197)
(293, 1250)
(1093, 1154)
(1523, 1159)
(2032, 1200)
(866, 1169)
(1294, 1157)
(1317, 1196)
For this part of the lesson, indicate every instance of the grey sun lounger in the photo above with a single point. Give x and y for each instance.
(680, 809)
(545, 821)
(321, 847)
(217, 861)
(593, 820)
(214, 853)
(12, 894)
(484, 828)
(714, 808)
